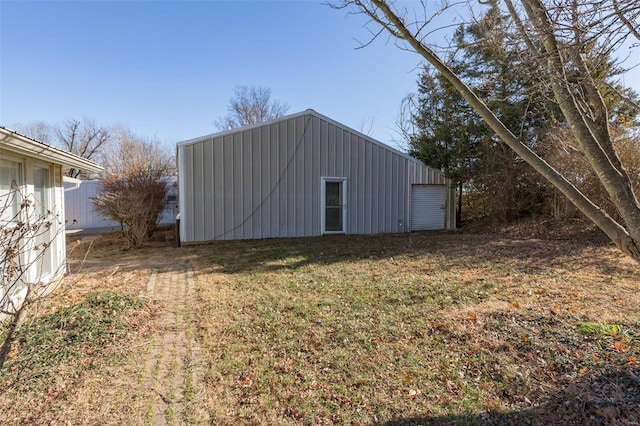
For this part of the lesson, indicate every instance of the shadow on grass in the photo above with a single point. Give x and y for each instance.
(449, 249)
(612, 398)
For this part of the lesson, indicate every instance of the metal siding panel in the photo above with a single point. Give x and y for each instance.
(236, 187)
(382, 191)
(338, 135)
(421, 174)
(227, 150)
(300, 194)
(317, 172)
(345, 141)
(395, 198)
(291, 165)
(368, 205)
(274, 188)
(256, 184)
(403, 194)
(412, 172)
(308, 188)
(198, 193)
(219, 189)
(208, 163)
(388, 172)
(186, 195)
(265, 183)
(360, 206)
(324, 148)
(331, 147)
(375, 189)
(246, 187)
(450, 207)
(352, 184)
(282, 190)
(189, 215)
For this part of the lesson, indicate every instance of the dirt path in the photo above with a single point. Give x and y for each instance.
(156, 379)
(173, 371)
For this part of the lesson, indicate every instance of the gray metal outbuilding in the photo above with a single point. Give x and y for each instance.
(304, 175)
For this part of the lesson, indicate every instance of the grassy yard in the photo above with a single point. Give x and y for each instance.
(376, 330)
(418, 329)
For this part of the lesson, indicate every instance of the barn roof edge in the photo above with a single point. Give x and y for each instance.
(306, 112)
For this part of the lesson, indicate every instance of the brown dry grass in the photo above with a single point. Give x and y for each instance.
(417, 329)
(400, 329)
(73, 391)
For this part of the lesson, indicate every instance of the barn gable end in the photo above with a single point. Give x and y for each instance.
(300, 175)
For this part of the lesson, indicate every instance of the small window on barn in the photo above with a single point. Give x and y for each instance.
(172, 198)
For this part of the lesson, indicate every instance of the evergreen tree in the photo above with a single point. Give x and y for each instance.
(452, 137)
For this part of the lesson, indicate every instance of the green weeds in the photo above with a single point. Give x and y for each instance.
(69, 334)
(599, 329)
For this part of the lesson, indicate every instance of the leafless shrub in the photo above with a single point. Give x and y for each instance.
(133, 186)
(563, 152)
(27, 272)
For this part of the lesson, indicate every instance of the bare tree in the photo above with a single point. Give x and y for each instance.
(26, 235)
(83, 138)
(134, 187)
(251, 105)
(38, 130)
(555, 36)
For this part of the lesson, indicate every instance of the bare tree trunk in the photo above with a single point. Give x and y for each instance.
(592, 133)
(613, 179)
(459, 209)
(12, 334)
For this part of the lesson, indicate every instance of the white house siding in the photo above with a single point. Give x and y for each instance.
(58, 195)
(39, 179)
(265, 181)
(53, 202)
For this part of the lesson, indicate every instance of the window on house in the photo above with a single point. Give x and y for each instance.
(10, 186)
(41, 189)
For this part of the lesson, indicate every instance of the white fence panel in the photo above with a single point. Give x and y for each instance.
(80, 214)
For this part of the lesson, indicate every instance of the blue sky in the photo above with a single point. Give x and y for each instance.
(167, 69)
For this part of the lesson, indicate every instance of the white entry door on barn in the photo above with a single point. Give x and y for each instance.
(427, 207)
(334, 200)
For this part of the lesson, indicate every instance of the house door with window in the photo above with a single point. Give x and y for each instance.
(334, 199)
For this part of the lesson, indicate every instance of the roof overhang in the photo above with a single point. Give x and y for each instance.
(24, 145)
(70, 184)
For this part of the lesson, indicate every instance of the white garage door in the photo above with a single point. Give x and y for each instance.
(427, 207)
